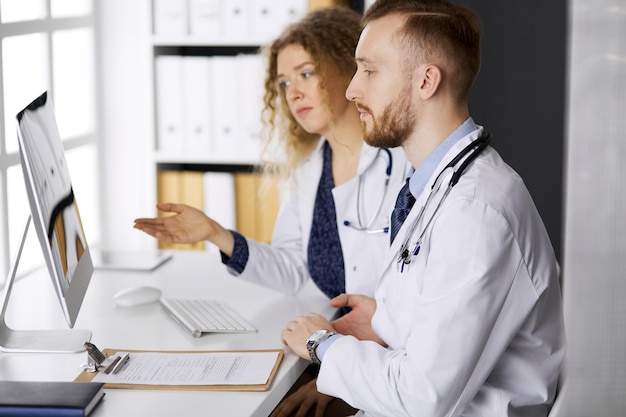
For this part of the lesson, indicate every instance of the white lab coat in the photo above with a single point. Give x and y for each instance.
(283, 264)
(475, 325)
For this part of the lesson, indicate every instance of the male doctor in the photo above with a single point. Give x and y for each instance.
(467, 318)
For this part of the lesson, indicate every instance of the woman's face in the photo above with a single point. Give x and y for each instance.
(299, 81)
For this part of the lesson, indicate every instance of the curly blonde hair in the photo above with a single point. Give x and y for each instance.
(330, 37)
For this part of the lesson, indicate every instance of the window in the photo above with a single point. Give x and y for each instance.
(47, 45)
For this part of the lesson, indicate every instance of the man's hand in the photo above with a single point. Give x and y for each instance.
(358, 322)
(300, 402)
(299, 329)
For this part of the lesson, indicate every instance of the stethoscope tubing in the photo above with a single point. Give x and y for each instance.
(367, 228)
(475, 148)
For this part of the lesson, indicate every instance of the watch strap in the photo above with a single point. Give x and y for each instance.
(313, 343)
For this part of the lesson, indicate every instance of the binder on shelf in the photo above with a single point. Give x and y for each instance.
(270, 17)
(219, 198)
(168, 76)
(266, 24)
(236, 20)
(292, 10)
(191, 188)
(227, 107)
(320, 4)
(246, 192)
(205, 18)
(170, 17)
(251, 71)
(210, 106)
(168, 192)
(255, 216)
(268, 210)
(197, 109)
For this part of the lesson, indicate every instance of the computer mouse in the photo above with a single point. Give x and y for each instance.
(135, 296)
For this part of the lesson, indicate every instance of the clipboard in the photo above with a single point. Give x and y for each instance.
(87, 376)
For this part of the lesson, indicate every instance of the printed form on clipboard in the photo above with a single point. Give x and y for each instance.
(246, 370)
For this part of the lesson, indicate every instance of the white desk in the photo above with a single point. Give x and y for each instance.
(33, 305)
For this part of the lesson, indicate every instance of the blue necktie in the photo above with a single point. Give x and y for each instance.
(325, 255)
(404, 202)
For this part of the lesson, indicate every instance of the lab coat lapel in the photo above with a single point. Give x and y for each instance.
(421, 200)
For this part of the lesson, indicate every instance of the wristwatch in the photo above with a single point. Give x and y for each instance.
(314, 340)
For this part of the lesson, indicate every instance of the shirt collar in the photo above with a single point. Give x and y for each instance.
(421, 174)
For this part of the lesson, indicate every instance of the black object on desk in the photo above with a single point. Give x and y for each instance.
(49, 398)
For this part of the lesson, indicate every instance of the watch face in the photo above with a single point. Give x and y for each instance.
(317, 335)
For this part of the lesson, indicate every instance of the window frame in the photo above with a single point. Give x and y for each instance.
(47, 26)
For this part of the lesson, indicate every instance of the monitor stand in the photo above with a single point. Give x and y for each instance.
(48, 341)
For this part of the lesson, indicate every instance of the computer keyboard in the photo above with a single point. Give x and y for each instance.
(203, 316)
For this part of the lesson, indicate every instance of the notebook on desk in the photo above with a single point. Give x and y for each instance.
(206, 316)
(49, 398)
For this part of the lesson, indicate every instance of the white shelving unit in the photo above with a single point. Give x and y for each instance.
(130, 155)
(207, 77)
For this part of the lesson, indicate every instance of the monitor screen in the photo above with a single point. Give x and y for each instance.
(54, 210)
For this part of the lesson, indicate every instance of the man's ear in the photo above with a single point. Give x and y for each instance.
(430, 80)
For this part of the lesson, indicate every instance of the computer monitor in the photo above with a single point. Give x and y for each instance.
(55, 216)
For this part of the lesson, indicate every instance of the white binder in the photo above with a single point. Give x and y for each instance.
(291, 11)
(168, 77)
(227, 105)
(251, 73)
(236, 20)
(205, 18)
(197, 105)
(266, 24)
(271, 17)
(170, 17)
(219, 198)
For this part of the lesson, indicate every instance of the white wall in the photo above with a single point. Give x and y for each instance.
(595, 231)
(128, 177)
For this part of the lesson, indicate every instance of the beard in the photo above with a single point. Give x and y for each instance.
(394, 126)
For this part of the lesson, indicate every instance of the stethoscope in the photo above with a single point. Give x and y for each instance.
(405, 256)
(367, 227)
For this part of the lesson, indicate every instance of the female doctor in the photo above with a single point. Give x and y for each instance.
(333, 222)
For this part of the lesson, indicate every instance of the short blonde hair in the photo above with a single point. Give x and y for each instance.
(437, 30)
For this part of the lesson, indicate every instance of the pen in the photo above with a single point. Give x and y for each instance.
(120, 363)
